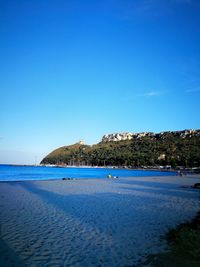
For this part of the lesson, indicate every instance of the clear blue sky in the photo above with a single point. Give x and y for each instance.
(72, 70)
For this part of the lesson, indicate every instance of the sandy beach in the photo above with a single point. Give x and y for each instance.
(91, 222)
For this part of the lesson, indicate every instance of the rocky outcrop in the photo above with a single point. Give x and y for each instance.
(128, 135)
(117, 137)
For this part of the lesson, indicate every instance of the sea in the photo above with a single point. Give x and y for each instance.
(25, 173)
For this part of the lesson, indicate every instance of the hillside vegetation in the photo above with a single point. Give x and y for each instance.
(168, 148)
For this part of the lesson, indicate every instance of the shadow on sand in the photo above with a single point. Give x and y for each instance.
(8, 257)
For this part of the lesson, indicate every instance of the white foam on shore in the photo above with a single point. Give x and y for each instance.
(91, 222)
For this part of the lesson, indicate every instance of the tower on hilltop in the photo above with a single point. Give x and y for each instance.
(81, 142)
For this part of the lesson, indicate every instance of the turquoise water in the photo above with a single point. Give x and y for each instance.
(19, 173)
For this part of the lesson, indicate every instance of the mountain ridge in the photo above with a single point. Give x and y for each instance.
(129, 135)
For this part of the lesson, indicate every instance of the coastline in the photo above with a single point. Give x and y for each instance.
(183, 170)
(94, 221)
(187, 176)
(13, 173)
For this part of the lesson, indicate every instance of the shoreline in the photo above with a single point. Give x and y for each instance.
(188, 176)
(145, 168)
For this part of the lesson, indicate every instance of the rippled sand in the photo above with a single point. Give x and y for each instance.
(91, 222)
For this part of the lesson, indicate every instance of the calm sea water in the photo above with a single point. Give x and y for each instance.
(19, 173)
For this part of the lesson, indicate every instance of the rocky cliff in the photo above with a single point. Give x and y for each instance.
(128, 136)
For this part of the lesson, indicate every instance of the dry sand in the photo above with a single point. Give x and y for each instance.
(91, 222)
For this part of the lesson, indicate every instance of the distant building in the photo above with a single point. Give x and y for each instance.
(161, 157)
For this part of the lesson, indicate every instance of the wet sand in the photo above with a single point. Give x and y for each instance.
(91, 222)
